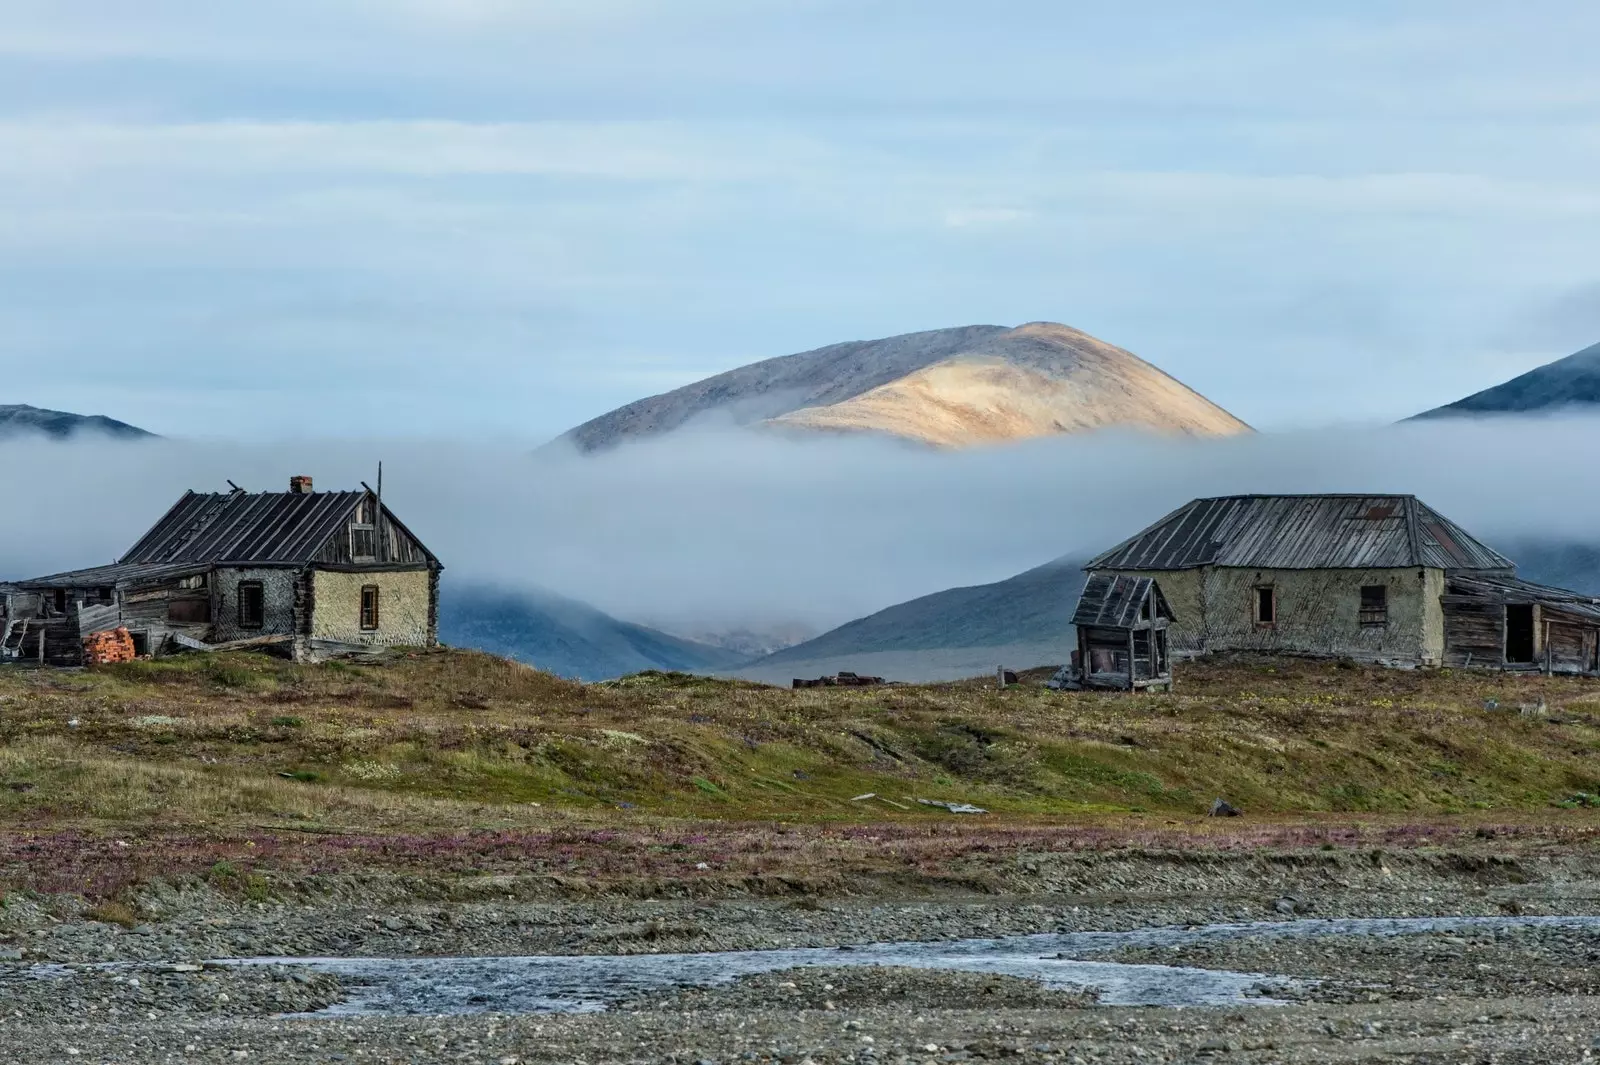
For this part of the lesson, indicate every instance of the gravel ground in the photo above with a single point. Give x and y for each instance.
(383, 917)
(1523, 1031)
(1525, 996)
(878, 986)
(1475, 964)
(157, 992)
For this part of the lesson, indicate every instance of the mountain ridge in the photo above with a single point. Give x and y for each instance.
(18, 419)
(954, 387)
(1573, 381)
(567, 637)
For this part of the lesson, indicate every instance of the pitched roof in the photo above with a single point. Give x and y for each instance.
(1516, 590)
(262, 528)
(116, 574)
(1113, 601)
(1303, 532)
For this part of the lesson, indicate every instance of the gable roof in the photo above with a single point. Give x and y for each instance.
(1113, 601)
(130, 575)
(1304, 532)
(262, 528)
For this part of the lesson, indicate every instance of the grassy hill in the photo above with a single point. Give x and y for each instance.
(458, 763)
(232, 738)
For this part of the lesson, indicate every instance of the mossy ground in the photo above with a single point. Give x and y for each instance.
(440, 738)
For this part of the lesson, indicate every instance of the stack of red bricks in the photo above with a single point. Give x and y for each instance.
(103, 648)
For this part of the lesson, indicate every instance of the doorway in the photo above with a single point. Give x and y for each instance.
(1519, 632)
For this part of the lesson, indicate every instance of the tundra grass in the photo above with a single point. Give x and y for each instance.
(437, 744)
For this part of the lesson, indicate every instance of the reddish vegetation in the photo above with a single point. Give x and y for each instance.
(737, 858)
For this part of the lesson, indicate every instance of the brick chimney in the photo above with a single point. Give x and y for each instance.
(300, 485)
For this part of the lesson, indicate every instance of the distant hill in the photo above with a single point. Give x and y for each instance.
(1570, 382)
(566, 637)
(1019, 622)
(1569, 565)
(956, 387)
(23, 420)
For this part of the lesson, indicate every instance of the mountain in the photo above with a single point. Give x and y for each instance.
(566, 637)
(957, 387)
(1563, 564)
(1019, 622)
(22, 420)
(749, 643)
(1570, 382)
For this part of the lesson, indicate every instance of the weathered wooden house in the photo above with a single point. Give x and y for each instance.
(1122, 624)
(1375, 578)
(311, 572)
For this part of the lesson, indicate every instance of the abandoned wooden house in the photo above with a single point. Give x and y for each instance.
(1122, 624)
(311, 573)
(1375, 578)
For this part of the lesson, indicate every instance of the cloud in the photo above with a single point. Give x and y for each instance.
(720, 528)
(983, 217)
(1559, 324)
(624, 151)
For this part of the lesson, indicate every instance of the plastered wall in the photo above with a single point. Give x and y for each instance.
(402, 607)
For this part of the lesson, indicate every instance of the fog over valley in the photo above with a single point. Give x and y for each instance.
(724, 529)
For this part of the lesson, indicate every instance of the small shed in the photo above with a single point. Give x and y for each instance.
(1122, 634)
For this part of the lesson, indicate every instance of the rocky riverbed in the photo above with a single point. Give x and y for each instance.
(134, 986)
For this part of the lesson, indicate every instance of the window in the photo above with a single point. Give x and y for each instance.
(363, 540)
(193, 583)
(1266, 605)
(369, 608)
(1374, 606)
(252, 605)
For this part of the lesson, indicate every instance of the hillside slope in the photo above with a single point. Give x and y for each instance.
(949, 387)
(1570, 382)
(19, 419)
(566, 637)
(1020, 622)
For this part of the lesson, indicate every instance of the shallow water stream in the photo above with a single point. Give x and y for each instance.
(584, 983)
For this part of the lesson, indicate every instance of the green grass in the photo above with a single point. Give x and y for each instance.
(442, 739)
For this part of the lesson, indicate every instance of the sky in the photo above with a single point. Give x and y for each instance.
(492, 219)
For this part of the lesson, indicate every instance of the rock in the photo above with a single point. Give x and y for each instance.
(1222, 808)
(1285, 905)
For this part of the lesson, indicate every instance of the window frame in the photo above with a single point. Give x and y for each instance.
(364, 521)
(375, 612)
(260, 590)
(1370, 617)
(1271, 600)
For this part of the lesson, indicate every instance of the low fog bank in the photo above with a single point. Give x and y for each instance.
(739, 529)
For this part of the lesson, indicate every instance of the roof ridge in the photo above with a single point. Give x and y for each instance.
(1309, 495)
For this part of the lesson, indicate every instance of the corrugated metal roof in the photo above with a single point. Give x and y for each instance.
(1516, 590)
(107, 576)
(1303, 532)
(264, 528)
(1113, 601)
